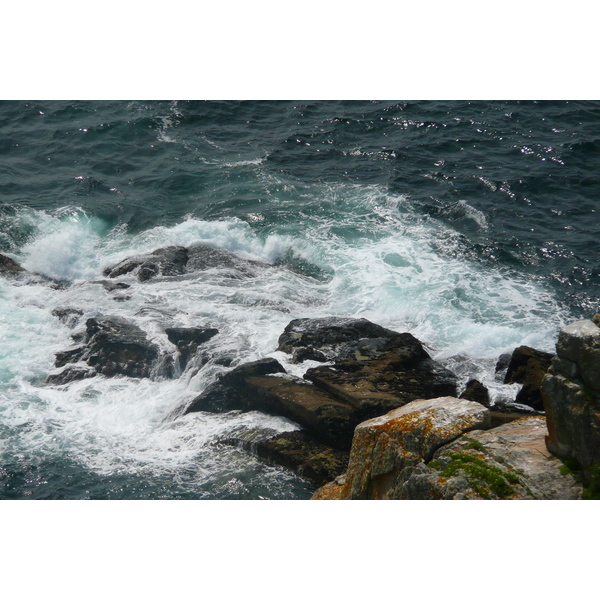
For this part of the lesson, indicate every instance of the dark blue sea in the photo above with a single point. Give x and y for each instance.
(475, 226)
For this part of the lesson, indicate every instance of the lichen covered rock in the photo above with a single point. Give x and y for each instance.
(386, 449)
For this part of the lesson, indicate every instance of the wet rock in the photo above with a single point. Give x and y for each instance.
(112, 346)
(299, 355)
(230, 391)
(9, 267)
(386, 449)
(374, 370)
(70, 373)
(502, 366)
(528, 366)
(203, 257)
(338, 337)
(177, 260)
(299, 451)
(164, 261)
(253, 387)
(68, 316)
(571, 393)
(187, 340)
(476, 392)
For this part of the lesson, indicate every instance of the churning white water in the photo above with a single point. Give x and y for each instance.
(369, 257)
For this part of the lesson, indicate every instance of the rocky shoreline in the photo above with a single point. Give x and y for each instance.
(379, 418)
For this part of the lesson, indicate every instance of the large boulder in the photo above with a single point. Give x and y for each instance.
(178, 260)
(386, 449)
(260, 386)
(528, 366)
(111, 346)
(506, 462)
(374, 369)
(230, 391)
(571, 392)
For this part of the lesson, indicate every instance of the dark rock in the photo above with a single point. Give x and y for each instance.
(338, 337)
(9, 267)
(177, 260)
(111, 286)
(71, 373)
(528, 366)
(167, 261)
(502, 365)
(113, 346)
(253, 387)
(328, 419)
(229, 392)
(299, 451)
(203, 257)
(116, 347)
(187, 340)
(69, 356)
(476, 392)
(299, 355)
(68, 316)
(375, 369)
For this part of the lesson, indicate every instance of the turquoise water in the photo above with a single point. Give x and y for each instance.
(472, 225)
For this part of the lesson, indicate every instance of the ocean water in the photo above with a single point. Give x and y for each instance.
(472, 225)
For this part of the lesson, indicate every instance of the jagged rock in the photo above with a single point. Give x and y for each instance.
(571, 393)
(177, 260)
(386, 449)
(113, 346)
(164, 261)
(502, 363)
(476, 392)
(338, 337)
(203, 257)
(299, 451)
(528, 366)
(253, 387)
(9, 267)
(299, 355)
(70, 373)
(230, 391)
(68, 316)
(187, 340)
(507, 462)
(375, 369)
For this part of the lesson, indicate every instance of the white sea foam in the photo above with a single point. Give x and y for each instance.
(385, 264)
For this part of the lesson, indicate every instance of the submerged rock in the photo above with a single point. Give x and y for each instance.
(68, 316)
(187, 340)
(528, 366)
(571, 393)
(9, 267)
